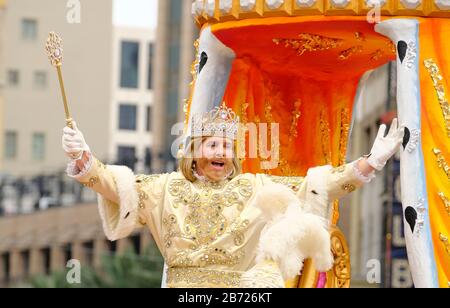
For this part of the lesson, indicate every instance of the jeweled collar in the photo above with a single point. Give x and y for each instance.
(204, 181)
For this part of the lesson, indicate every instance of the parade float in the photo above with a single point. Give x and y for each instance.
(300, 63)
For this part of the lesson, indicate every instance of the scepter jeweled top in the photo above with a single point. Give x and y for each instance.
(54, 51)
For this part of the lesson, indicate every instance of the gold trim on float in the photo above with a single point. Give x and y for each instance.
(442, 163)
(446, 202)
(207, 11)
(340, 275)
(439, 86)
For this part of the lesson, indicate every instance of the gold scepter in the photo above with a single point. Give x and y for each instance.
(54, 50)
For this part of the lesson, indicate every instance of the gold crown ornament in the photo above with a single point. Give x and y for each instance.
(221, 122)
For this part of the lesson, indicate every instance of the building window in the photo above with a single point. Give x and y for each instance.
(151, 50)
(6, 266)
(10, 145)
(127, 117)
(13, 78)
(38, 146)
(25, 255)
(136, 241)
(68, 253)
(112, 246)
(129, 70)
(127, 156)
(88, 248)
(46, 260)
(148, 161)
(40, 80)
(29, 29)
(148, 126)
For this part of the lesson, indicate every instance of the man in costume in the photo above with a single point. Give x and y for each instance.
(217, 227)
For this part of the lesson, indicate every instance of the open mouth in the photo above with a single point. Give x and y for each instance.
(218, 164)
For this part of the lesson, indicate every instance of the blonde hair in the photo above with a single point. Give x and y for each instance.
(186, 163)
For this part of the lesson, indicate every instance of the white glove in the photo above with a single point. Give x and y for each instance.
(386, 147)
(73, 142)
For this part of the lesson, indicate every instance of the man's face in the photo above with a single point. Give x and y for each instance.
(215, 159)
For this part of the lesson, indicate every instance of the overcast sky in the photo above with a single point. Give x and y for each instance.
(135, 13)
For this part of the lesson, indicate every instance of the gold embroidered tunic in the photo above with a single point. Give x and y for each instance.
(208, 233)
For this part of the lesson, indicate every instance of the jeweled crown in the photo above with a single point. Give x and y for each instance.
(221, 121)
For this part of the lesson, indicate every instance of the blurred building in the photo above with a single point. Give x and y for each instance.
(174, 54)
(125, 93)
(33, 115)
(113, 76)
(108, 74)
(2, 76)
(133, 101)
(45, 217)
(371, 218)
(44, 242)
(361, 212)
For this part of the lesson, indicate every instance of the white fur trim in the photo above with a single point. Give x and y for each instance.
(317, 199)
(273, 200)
(361, 177)
(73, 171)
(119, 221)
(293, 236)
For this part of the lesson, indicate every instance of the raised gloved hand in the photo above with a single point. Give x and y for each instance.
(73, 142)
(386, 147)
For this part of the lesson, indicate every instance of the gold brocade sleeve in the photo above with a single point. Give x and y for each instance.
(322, 186)
(121, 199)
(342, 181)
